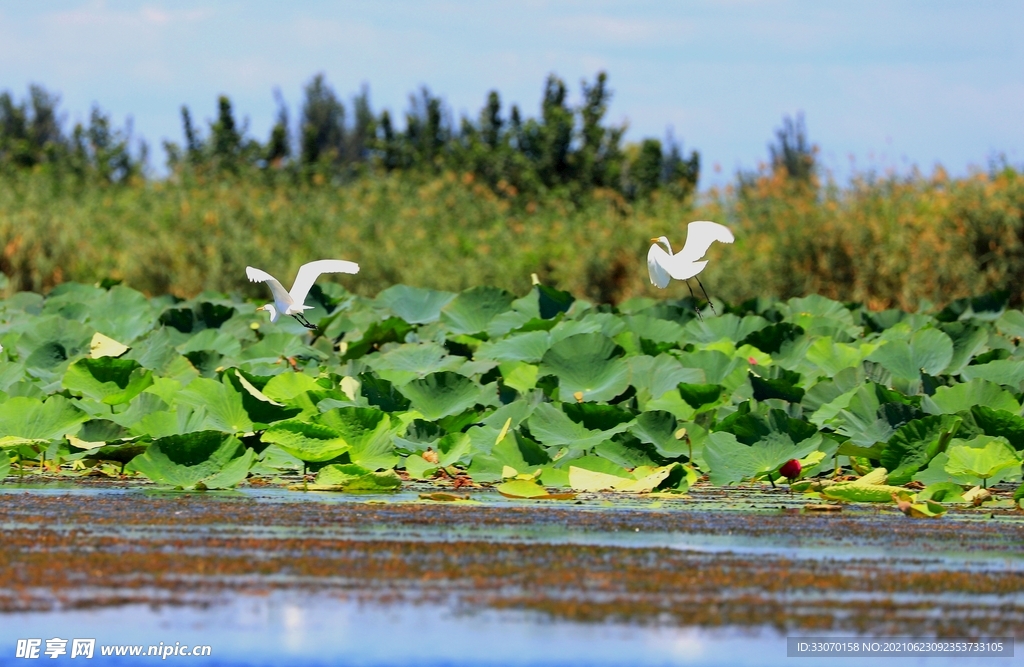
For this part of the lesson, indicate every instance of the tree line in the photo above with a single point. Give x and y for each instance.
(567, 149)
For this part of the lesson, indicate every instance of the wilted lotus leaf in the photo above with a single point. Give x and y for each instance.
(104, 346)
(529, 490)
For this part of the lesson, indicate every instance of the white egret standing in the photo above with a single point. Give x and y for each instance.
(291, 303)
(662, 265)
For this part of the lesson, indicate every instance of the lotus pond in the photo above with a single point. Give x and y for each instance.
(535, 464)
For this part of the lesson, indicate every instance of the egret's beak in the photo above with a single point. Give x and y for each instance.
(654, 240)
(261, 308)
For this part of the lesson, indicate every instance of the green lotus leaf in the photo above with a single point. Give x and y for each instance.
(262, 409)
(982, 462)
(964, 396)
(916, 443)
(212, 339)
(700, 395)
(1011, 323)
(276, 347)
(603, 323)
(49, 341)
(224, 409)
(590, 364)
(287, 387)
(514, 451)
(724, 327)
(1000, 423)
(732, 461)
(658, 375)
(355, 478)
(764, 423)
(391, 330)
(413, 360)
(108, 379)
(32, 419)
(123, 314)
(5, 464)
(418, 467)
(529, 347)
(659, 428)
(453, 448)
(444, 394)
(415, 305)
(419, 436)
(555, 428)
(367, 431)
(655, 329)
(831, 357)
(928, 350)
(205, 459)
(987, 307)
(816, 305)
(782, 384)
(382, 394)
(1008, 372)
(519, 375)
(943, 492)
(968, 341)
(771, 338)
(306, 441)
(175, 421)
(472, 310)
(118, 452)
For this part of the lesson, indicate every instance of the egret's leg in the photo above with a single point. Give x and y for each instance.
(706, 296)
(694, 297)
(303, 321)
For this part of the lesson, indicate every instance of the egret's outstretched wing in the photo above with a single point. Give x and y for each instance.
(656, 262)
(257, 276)
(308, 273)
(699, 237)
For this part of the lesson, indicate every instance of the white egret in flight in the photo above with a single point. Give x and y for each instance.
(662, 265)
(291, 303)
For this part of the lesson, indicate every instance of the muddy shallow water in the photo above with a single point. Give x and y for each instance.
(267, 576)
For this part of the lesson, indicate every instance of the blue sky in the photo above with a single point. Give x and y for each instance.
(883, 85)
